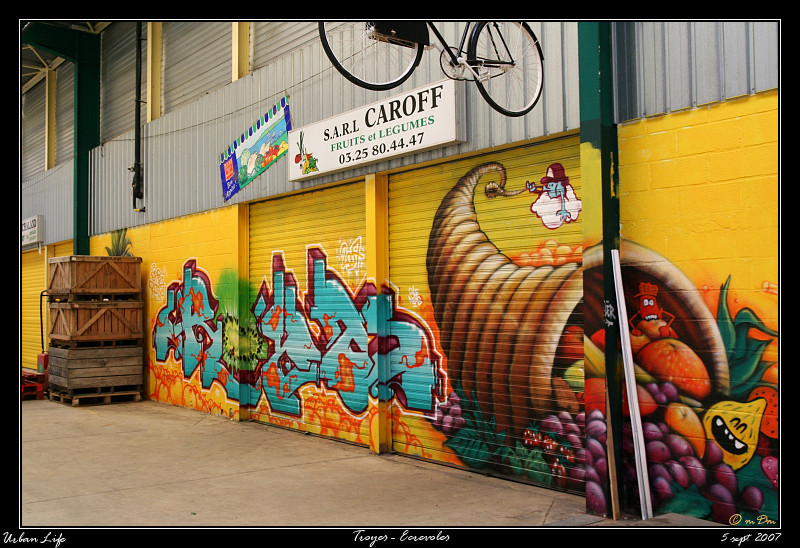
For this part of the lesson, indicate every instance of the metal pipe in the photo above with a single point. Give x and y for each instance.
(41, 318)
(137, 185)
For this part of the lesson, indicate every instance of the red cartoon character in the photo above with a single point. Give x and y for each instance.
(651, 313)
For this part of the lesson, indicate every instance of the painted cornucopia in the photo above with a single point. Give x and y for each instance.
(501, 348)
(504, 348)
(504, 328)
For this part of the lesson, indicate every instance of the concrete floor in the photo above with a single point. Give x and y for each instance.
(147, 464)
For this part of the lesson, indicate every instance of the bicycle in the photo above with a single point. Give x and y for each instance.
(504, 59)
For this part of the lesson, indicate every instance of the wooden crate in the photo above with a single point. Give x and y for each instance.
(76, 276)
(78, 371)
(95, 323)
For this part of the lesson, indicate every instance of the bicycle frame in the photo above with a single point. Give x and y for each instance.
(483, 53)
(417, 32)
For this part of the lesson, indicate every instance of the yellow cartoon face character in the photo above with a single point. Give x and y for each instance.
(734, 426)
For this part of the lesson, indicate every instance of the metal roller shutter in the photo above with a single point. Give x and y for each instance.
(306, 270)
(34, 321)
(32, 283)
(493, 268)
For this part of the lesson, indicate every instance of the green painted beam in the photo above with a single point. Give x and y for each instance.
(599, 135)
(83, 50)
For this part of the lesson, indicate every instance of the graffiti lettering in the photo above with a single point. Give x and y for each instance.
(328, 339)
(187, 327)
(155, 282)
(414, 297)
(351, 256)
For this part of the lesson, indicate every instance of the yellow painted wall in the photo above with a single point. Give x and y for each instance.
(34, 313)
(211, 240)
(700, 190)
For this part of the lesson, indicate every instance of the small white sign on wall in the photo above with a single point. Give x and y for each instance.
(427, 117)
(32, 230)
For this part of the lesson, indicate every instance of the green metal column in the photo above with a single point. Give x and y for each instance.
(83, 50)
(599, 135)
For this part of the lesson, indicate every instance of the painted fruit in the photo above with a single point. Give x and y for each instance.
(752, 498)
(772, 374)
(770, 467)
(595, 499)
(657, 451)
(678, 446)
(679, 473)
(595, 394)
(724, 475)
(723, 506)
(696, 470)
(647, 404)
(599, 339)
(638, 341)
(713, 453)
(656, 329)
(574, 376)
(572, 343)
(671, 360)
(661, 488)
(682, 419)
(734, 426)
(769, 422)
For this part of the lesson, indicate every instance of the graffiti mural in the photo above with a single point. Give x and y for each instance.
(188, 326)
(708, 399)
(529, 388)
(352, 258)
(557, 202)
(512, 335)
(493, 359)
(334, 352)
(325, 340)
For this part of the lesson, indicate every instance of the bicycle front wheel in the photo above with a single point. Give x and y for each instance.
(367, 58)
(510, 66)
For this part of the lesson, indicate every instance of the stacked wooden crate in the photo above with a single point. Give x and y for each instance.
(96, 329)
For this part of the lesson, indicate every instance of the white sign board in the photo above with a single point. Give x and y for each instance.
(32, 230)
(424, 118)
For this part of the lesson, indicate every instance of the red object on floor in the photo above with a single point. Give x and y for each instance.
(32, 385)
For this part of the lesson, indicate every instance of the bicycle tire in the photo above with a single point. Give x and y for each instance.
(369, 63)
(511, 89)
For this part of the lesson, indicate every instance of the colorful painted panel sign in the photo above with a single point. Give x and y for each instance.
(420, 119)
(255, 150)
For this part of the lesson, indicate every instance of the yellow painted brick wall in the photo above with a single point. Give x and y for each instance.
(701, 188)
(212, 239)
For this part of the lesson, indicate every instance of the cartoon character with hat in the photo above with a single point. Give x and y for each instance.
(557, 203)
(650, 311)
